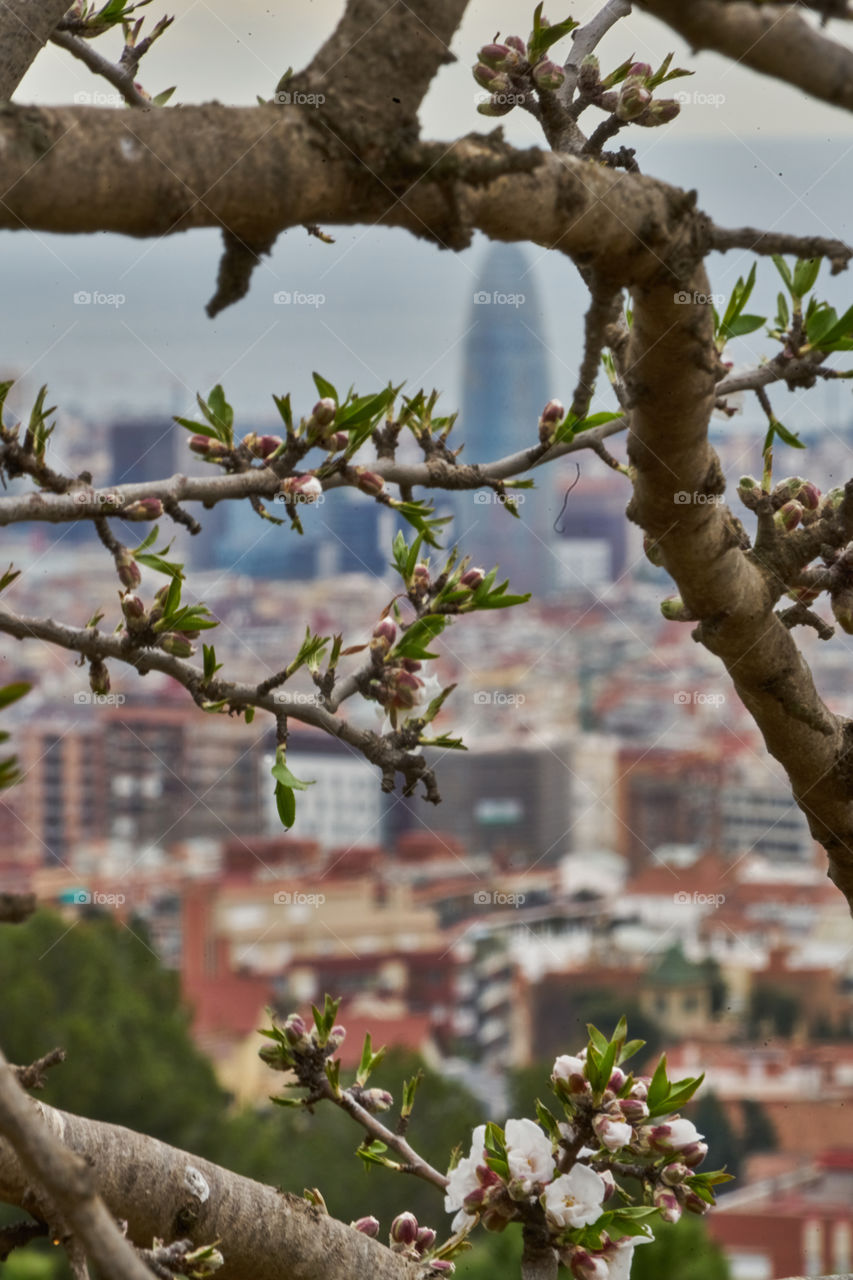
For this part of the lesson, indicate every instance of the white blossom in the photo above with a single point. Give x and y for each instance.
(567, 1065)
(463, 1179)
(529, 1153)
(574, 1199)
(620, 1261)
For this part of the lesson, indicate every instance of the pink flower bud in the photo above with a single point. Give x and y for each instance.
(411, 664)
(406, 691)
(553, 412)
(809, 496)
(666, 1202)
(617, 1079)
(494, 55)
(588, 1266)
(176, 644)
(207, 447)
(337, 440)
(831, 501)
(132, 607)
(516, 42)
(295, 1031)
(128, 570)
(262, 446)
(384, 635)
(425, 1240)
(633, 1109)
(367, 1226)
(612, 1134)
(472, 578)
(496, 106)
(694, 1154)
(789, 516)
(275, 1057)
(675, 1173)
(675, 1135)
(144, 509)
(547, 75)
(420, 576)
(324, 411)
(694, 1203)
(589, 76)
(484, 75)
(640, 69)
(337, 1035)
(640, 1088)
(374, 1100)
(633, 99)
(661, 111)
(369, 482)
(404, 1229)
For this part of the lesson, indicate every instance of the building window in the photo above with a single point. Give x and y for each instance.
(813, 1247)
(841, 1235)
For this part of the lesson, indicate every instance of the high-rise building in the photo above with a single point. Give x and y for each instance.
(505, 387)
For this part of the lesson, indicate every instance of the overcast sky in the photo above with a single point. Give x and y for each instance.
(393, 307)
(232, 52)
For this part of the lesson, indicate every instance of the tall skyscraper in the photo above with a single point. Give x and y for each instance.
(505, 387)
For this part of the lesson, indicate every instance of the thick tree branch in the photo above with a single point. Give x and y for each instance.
(731, 593)
(782, 45)
(25, 28)
(42, 1157)
(161, 1192)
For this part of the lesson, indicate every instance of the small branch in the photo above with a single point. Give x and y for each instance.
(33, 1076)
(768, 242)
(19, 1234)
(605, 309)
(586, 39)
(415, 1164)
(119, 77)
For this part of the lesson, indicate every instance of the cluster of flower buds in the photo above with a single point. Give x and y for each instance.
(550, 418)
(397, 685)
(793, 500)
(319, 428)
(297, 1047)
(406, 1237)
(509, 72)
(632, 101)
(305, 488)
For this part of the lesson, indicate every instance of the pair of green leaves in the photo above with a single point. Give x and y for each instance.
(286, 786)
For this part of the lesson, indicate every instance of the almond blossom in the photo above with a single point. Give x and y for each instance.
(575, 1198)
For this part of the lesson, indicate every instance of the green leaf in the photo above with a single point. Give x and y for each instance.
(160, 565)
(659, 1087)
(12, 692)
(629, 1049)
(222, 413)
(211, 666)
(841, 329)
(682, 1092)
(282, 403)
(805, 273)
(787, 436)
(742, 325)
(282, 775)
(784, 271)
(160, 99)
(11, 574)
(419, 635)
(324, 388)
(285, 803)
(783, 316)
(197, 428)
